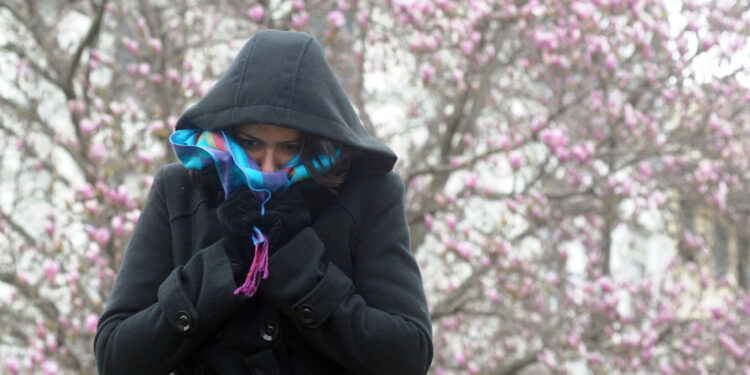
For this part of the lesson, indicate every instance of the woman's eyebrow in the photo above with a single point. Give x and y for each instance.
(247, 136)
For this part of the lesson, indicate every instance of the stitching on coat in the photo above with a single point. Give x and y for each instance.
(188, 213)
(296, 74)
(246, 58)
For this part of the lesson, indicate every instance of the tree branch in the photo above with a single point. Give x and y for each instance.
(93, 32)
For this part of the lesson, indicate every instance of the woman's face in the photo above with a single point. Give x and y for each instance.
(269, 146)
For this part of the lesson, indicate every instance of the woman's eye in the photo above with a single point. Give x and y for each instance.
(244, 142)
(292, 147)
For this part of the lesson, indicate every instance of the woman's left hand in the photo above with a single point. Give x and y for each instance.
(286, 214)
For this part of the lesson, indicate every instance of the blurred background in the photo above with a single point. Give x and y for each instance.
(576, 171)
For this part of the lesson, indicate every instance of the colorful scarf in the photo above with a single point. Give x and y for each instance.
(198, 149)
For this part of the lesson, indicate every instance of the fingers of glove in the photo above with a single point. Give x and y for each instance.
(241, 201)
(238, 212)
(288, 200)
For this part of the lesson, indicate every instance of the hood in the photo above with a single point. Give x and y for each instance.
(282, 78)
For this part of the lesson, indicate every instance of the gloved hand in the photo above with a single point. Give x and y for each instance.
(286, 215)
(237, 215)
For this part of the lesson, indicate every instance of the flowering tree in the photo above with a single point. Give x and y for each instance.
(532, 135)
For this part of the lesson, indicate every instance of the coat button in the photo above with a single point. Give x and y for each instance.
(269, 331)
(305, 314)
(182, 321)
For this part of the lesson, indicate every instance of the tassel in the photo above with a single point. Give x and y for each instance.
(259, 268)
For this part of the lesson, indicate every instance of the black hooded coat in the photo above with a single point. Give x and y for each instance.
(343, 296)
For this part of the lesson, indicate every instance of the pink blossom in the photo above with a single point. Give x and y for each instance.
(50, 229)
(583, 152)
(117, 225)
(545, 40)
(611, 61)
(77, 106)
(91, 321)
(256, 13)
(52, 343)
(647, 354)
(471, 181)
(156, 127)
(583, 10)
(86, 192)
(605, 283)
(116, 108)
(728, 343)
(87, 126)
(467, 48)
(428, 221)
(131, 45)
(515, 160)
(461, 358)
(464, 249)
(41, 330)
(630, 118)
(450, 219)
(101, 236)
(336, 18)
(644, 168)
(417, 41)
(171, 122)
(548, 359)
(97, 151)
(492, 295)
(155, 45)
(92, 254)
(298, 5)
(362, 17)
(12, 364)
(473, 368)
(51, 268)
(426, 71)
(553, 137)
(173, 75)
(300, 20)
(458, 76)
(50, 367)
(450, 323)
(143, 69)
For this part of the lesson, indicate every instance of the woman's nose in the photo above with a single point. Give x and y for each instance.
(268, 162)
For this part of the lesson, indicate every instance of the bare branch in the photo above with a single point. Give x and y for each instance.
(93, 32)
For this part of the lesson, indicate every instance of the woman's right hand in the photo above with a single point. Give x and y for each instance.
(237, 215)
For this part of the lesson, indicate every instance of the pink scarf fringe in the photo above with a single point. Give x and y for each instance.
(259, 268)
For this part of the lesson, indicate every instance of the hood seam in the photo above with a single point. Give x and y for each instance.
(295, 77)
(243, 73)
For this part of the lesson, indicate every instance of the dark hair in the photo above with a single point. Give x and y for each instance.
(312, 148)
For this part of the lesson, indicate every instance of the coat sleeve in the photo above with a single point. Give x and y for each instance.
(157, 313)
(376, 322)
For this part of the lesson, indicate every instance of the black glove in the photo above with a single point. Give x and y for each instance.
(286, 215)
(237, 215)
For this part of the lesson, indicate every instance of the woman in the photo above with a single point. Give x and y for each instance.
(307, 274)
